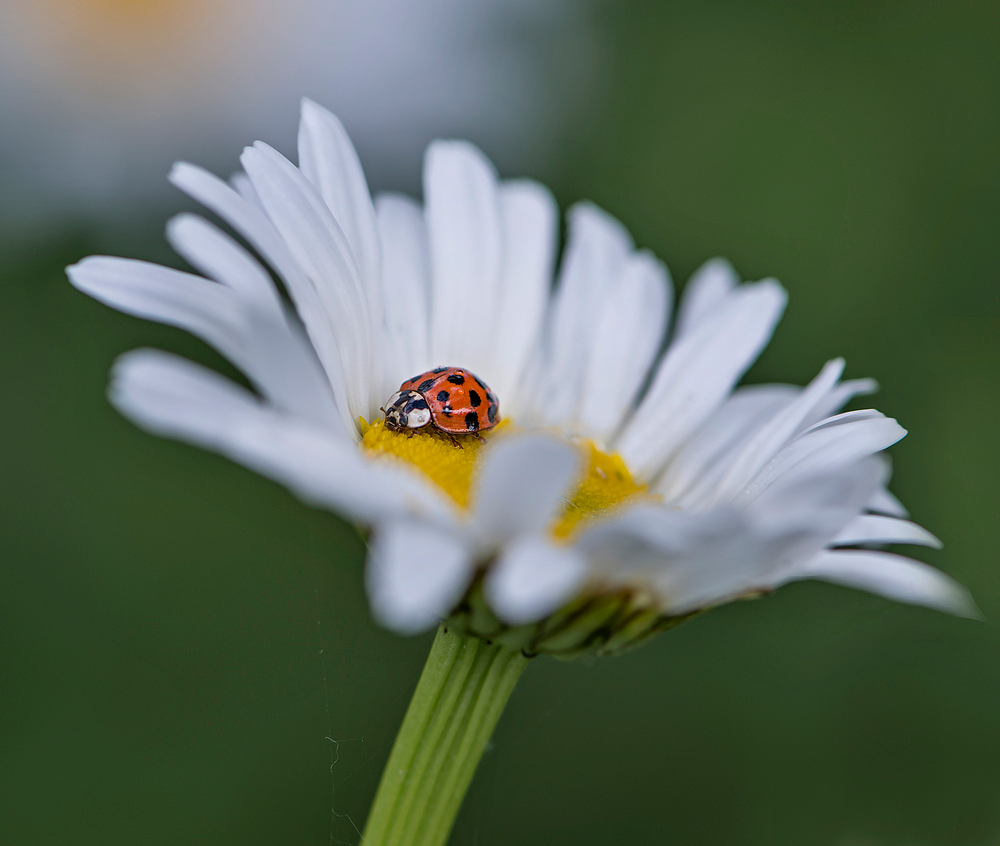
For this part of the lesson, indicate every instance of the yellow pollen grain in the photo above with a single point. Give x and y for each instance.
(604, 486)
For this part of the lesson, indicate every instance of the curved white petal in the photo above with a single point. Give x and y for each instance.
(463, 223)
(405, 289)
(773, 435)
(697, 373)
(320, 247)
(212, 252)
(705, 292)
(628, 335)
(891, 576)
(704, 458)
(597, 250)
(529, 216)
(328, 159)
(838, 398)
(249, 220)
(259, 340)
(521, 486)
(883, 502)
(415, 574)
(533, 577)
(689, 562)
(172, 397)
(874, 528)
(836, 442)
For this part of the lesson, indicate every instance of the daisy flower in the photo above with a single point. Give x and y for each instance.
(546, 461)
(629, 484)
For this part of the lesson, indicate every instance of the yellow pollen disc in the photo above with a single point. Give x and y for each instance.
(604, 486)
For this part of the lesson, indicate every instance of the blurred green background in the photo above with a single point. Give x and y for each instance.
(186, 651)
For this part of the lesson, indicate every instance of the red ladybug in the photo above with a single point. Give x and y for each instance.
(452, 399)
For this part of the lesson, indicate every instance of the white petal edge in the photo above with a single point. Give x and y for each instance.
(415, 574)
(532, 578)
(706, 290)
(874, 528)
(891, 576)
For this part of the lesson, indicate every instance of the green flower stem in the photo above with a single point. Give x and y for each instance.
(461, 693)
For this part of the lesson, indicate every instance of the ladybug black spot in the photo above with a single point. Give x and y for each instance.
(447, 411)
(426, 385)
(439, 370)
(472, 421)
(491, 413)
(456, 379)
(475, 399)
(443, 396)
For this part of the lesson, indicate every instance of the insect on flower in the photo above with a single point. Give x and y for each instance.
(450, 399)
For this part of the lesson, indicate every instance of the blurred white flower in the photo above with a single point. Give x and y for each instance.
(628, 487)
(99, 97)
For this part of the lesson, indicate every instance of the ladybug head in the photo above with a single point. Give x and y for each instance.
(406, 410)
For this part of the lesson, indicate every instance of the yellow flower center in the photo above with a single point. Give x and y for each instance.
(604, 485)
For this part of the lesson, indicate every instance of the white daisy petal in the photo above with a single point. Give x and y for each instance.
(891, 576)
(838, 398)
(629, 332)
(328, 159)
(520, 486)
(260, 342)
(874, 528)
(597, 250)
(415, 574)
(321, 249)
(173, 397)
(835, 443)
(761, 448)
(529, 216)
(212, 252)
(704, 459)
(405, 289)
(883, 502)
(706, 291)
(689, 563)
(249, 220)
(464, 226)
(532, 578)
(697, 374)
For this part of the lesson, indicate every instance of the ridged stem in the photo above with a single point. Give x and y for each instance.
(461, 693)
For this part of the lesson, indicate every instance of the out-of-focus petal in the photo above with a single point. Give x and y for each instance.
(415, 574)
(532, 578)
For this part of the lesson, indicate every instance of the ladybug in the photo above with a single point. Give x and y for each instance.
(451, 399)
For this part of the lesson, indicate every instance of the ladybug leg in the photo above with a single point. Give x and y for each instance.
(479, 437)
(455, 442)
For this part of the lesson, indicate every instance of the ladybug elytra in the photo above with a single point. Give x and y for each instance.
(451, 399)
